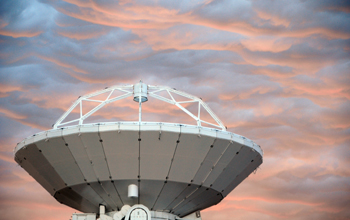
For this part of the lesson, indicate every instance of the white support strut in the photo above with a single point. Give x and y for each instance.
(140, 92)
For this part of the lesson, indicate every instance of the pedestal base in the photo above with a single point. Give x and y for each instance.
(136, 212)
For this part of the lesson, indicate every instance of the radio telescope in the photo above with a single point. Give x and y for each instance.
(138, 170)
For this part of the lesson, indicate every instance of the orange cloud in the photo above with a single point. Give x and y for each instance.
(7, 88)
(132, 16)
(6, 158)
(275, 20)
(17, 34)
(63, 64)
(322, 92)
(267, 44)
(272, 200)
(81, 35)
(247, 93)
(129, 17)
(12, 114)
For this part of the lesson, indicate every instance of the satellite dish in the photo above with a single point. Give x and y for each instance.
(137, 169)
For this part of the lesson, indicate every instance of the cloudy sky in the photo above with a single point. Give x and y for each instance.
(276, 72)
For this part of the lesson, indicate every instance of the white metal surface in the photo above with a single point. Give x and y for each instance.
(140, 92)
(84, 216)
(133, 191)
(121, 214)
(138, 212)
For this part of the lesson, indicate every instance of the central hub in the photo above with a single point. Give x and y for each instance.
(140, 92)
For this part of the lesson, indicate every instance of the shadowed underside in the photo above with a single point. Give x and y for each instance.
(156, 194)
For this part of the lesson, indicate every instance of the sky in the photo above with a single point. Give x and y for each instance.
(276, 72)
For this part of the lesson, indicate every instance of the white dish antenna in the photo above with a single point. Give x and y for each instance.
(138, 170)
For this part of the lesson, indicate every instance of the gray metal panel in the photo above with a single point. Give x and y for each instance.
(156, 154)
(42, 166)
(208, 198)
(41, 176)
(95, 151)
(190, 201)
(114, 194)
(210, 160)
(77, 149)
(87, 198)
(149, 191)
(62, 160)
(189, 155)
(184, 209)
(69, 197)
(101, 191)
(186, 192)
(244, 174)
(122, 152)
(234, 168)
(88, 193)
(228, 155)
(170, 191)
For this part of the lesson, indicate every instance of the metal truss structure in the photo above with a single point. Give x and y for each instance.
(129, 90)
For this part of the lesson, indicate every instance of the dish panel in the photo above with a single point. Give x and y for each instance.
(96, 154)
(190, 153)
(61, 159)
(81, 156)
(156, 154)
(122, 152)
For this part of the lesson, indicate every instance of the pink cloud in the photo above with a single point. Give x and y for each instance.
(12, 114)
(17, 34)
(267, 44)
(157, 17)
(63, 64)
